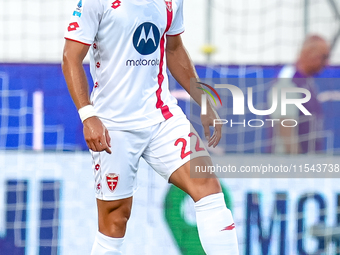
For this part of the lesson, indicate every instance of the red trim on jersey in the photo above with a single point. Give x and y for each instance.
(77, 41)
(160, 104)
(176, 34)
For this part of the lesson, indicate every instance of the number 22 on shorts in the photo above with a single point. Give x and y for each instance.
(184, 145)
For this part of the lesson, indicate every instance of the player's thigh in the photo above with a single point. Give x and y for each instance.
(115, 174)
(199, 186)
(116, 207)
(113, 216)
(174, 144)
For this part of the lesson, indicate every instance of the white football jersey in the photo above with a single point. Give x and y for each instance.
(128, 64)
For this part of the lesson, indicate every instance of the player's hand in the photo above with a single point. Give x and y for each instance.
(96, 135)
(207, 121)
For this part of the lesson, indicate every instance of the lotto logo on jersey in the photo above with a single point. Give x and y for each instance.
(112, 181)
(73, 26)
(116, 4)
(146, 38)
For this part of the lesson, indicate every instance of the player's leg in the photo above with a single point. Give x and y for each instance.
(112, 220)
(115, 182)
(175, 146)
(215, 223)
(113, 216)
(197, 188)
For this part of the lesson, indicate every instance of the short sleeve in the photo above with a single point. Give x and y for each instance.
(85, 20)
(177, 26)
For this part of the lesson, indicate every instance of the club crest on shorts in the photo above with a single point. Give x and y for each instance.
(168, 5)
(112, 181)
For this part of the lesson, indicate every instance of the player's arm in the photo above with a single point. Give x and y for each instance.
(183, 70)
(95, 133)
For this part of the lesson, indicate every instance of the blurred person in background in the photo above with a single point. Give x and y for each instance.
(306, 137)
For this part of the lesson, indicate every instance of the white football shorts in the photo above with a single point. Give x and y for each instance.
(165, 147)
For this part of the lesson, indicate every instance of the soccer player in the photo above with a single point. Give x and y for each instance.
(131, 114)
(307, 136)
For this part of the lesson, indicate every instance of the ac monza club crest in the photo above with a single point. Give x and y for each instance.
(168, 5)
(112, 181)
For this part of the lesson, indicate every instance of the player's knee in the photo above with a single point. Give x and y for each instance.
(120, 215)
(204, 187)
(113, 216)
(209, 184)
(119, 222)
(115, 223)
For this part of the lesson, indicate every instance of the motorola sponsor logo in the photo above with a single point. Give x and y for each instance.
(143, 62)
(146, 38)
(146, 41)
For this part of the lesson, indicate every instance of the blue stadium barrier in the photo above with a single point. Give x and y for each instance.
(63, 129)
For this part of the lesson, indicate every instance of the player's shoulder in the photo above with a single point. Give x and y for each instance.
(177, 3)
(93, 3)
(93, 6)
